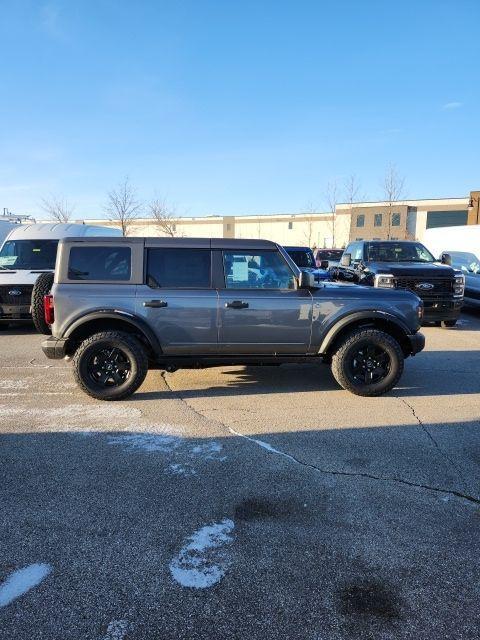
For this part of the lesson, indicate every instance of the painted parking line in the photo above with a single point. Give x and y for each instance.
(21, 581)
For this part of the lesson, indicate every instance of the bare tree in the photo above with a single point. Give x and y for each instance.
(393, 190)
(122, 206)
(331, 197)
(57, 208)
(308, 233)
(166, 217)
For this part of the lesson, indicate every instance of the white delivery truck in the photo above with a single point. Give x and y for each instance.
(462, 244)
(27, 257)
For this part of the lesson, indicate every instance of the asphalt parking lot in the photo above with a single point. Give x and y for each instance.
(241, 502)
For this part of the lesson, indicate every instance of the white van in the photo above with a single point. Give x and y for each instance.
(463, 246)
(28, 251)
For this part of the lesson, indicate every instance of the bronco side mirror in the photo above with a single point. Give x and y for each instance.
(306, 280)
(346, 260)
(446, 259)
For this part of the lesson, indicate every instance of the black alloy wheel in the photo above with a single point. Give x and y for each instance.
(369, 364)
(109, 367)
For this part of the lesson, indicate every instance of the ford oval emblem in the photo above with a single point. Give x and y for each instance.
(425, 286)
(14, 292)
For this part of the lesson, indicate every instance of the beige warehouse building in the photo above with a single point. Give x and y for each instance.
(407, 219)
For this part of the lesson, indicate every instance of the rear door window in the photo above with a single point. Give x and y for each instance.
(179, 268)
(99, 263)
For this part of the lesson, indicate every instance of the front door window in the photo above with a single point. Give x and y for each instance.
(262, 270)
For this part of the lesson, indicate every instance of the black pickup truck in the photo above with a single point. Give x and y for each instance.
(393, 264)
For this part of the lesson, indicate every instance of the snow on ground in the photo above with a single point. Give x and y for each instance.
(21, 581)
(117, 630)
(203, 560)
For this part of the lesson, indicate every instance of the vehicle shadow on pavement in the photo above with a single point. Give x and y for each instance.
(431, 373)
(341, 533)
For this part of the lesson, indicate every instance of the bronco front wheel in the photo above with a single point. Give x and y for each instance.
(368, 362)
(110, 365)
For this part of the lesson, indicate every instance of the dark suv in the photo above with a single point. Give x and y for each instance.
(406, 265)
(120, 306)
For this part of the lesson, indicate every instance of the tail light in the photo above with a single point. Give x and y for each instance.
(49, 309)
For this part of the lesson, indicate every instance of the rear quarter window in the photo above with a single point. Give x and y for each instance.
(100, 263)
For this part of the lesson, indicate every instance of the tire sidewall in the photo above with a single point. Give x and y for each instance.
(128, 387)
(396, 365)
(41, 288)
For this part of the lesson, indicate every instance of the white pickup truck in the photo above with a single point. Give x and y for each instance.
(27, 252)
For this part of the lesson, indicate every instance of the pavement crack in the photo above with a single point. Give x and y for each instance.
(333, 472)
(433, 440)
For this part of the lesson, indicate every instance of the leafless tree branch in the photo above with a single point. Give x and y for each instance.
(122, 206)
(166, 217)
(57, 208)
(393, 190)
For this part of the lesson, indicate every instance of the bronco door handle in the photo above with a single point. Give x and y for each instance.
(156, 304)
(237, 304)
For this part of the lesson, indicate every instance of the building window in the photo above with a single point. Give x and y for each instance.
(446, 219)
(395, 219)
(290, 225)
(174, 227)
(229, 226)
(361, 220)
(358, 239)
(378, 220)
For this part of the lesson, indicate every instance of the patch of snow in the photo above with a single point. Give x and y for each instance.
(180, 470)
(21, 581)
(117, 630)
(10, 385)
(203, 561)
(208, 450)
(150, 442)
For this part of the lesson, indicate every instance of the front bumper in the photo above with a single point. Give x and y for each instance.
(417, 343)
(441, 310)
(55, 348)
(15, 312)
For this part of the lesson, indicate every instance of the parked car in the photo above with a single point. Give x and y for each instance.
(27, 258)
(326, 258)
(405, 265)
(460, 245)
(122, 305)
(303, 258)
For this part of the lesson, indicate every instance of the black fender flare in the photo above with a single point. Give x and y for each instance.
(116, 314)
(358, 316)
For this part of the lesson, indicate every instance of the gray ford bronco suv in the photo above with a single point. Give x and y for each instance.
(120, 306)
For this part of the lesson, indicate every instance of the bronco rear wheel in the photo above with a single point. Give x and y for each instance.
(110, 365)
(368, 362)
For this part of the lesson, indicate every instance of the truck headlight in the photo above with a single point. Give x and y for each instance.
(385, 281)
(420, 311)
(459, 286)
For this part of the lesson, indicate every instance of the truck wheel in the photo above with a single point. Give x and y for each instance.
(110, 365)
(448, 323)
(42, 287)
(368, 362)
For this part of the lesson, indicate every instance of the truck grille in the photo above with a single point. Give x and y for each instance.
(9, 295)
(439, 286)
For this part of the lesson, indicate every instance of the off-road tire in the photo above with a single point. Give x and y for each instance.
(42, 287)
(448, 323)
(130, 347)
(349, 344)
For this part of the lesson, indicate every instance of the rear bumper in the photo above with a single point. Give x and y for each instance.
(55, 348)
(417, 343)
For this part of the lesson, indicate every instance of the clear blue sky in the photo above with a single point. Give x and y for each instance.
(238, 107)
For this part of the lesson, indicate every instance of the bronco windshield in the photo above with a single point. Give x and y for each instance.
(398, 252)
(28, 254)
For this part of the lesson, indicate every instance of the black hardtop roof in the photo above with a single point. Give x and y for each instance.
(180, 243)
